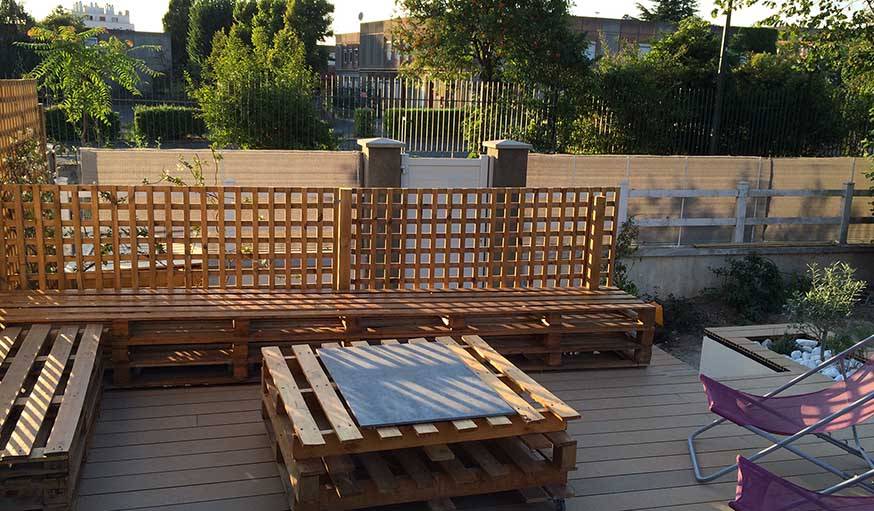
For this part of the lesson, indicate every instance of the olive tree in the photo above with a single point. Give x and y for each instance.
(824, 308)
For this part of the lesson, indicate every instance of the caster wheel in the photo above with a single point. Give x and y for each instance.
(560, 505)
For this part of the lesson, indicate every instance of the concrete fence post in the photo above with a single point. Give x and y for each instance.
(846, 211)
(622, 204)
(509, 162)
(382, 162)
(740, 212)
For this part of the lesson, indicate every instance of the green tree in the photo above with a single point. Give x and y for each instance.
(176, 24)
(206, 18)
(529, 41)
(689, 55)
(311, 21)
(14, 24)
(260, 96)
(61, 17)
(12, 13)
(81, 72)
(259, 19)
(672, 11)
(825, 307)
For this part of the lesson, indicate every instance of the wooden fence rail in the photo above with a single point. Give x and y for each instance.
(741, 219)
(141, 237)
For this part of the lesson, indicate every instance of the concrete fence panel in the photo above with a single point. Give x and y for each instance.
(237, 167)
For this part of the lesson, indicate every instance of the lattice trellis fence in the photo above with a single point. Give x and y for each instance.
(132, 237)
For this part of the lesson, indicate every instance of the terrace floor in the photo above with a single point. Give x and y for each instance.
(206, 448)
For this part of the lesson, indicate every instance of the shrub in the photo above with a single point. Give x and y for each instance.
(364, 122)
(626, 246)
(681, 314)
(419, 121)
(167, 122)
(61, 130)
(784, 344)
(261, 97)
(24, 160)
(752, 286)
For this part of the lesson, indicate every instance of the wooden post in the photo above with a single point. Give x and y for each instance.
(594, 240)
(846, 211)
(740, 212)
(342, 243)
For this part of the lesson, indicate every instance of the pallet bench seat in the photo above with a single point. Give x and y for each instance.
(50, 384)
(328, 462)
(224, 328)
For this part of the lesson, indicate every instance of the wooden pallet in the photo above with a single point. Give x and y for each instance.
(329, 462)
(49, 391)
(225, 329)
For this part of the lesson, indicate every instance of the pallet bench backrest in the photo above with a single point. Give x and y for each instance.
(94, 237)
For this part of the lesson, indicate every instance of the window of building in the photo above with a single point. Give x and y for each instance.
(115, 20)
(103, 18)
(590, 50)
(643, 48)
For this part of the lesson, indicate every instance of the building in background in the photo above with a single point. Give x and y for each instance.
(94, 15)
(372, 51)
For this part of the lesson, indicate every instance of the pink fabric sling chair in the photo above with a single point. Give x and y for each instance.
(760, 490)
(841, 406)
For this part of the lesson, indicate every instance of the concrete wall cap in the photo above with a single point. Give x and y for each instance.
(379, 142)
(506, 144)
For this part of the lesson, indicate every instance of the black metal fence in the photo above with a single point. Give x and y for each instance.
(454, 118)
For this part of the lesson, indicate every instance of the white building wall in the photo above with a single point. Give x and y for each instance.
(94, 15)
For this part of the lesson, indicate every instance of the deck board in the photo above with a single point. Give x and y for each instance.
(193, 449)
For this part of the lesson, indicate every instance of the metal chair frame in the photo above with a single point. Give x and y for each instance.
(857, 449)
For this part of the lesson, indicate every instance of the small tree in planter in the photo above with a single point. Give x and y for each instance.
(825, 307)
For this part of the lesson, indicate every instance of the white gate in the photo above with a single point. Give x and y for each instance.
(445, 172)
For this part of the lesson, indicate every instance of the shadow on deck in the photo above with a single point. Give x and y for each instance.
(206, 448)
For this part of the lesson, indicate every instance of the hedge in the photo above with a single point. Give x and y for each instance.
(167, 122)
(423, 120)
(60, 130)
(364, 122)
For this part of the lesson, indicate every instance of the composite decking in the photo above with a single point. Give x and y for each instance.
(206, 448)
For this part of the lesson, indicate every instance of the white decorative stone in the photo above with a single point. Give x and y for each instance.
(831, 372)
(767, 343)
(806, 342)
(795, 355)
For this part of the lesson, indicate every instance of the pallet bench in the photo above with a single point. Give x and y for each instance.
(222, 329)
(328, 462)
(50, 384)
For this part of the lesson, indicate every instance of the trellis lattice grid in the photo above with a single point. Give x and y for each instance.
(494, 237)
(130, 237)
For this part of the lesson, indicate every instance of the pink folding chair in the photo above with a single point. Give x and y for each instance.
(841, 406)
(760, 490)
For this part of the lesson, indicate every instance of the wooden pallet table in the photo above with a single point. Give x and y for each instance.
(329, 462)
(50, 384)
(544, 328)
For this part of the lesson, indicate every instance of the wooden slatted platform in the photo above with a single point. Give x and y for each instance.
(50, 383)
(166, 328)
(206, 449)
(328, 462)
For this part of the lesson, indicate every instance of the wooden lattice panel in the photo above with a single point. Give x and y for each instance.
(497, 237)
(167, 237)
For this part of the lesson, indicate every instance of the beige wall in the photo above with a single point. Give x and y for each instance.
(238, 167)
(716, 172)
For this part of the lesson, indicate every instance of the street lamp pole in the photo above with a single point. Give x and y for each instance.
(720, 84)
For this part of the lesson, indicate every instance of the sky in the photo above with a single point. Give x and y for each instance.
(146, 14)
